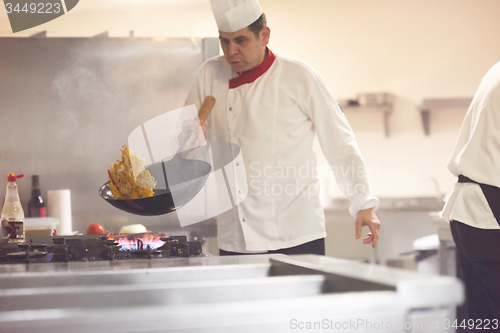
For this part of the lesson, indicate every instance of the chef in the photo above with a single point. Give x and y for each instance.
(473, 206)
(272, 107)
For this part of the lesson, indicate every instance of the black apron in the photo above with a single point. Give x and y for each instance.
(491, 193)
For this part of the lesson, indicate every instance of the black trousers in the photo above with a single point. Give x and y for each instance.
(315, 247)
(478, 259)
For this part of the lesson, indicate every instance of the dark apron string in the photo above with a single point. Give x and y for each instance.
(491, 193)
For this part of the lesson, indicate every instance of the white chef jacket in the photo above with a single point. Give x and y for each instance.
(273, 112)
(477, 156)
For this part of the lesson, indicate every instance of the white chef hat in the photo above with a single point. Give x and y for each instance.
(233, 15)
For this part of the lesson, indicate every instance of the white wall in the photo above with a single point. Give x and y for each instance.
(413, 49)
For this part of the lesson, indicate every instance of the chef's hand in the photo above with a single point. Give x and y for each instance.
(201, 131)
(369, 218)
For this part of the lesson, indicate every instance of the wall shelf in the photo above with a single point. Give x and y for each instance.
(432, 104)
(372, 102)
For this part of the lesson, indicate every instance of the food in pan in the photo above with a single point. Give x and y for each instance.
(128, 179)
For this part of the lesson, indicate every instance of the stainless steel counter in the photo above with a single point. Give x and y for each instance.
(262, 293)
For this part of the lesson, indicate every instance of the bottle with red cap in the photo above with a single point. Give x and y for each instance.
(12, 212)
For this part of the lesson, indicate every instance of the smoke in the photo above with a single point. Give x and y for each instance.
(80, 84)
(85, 97)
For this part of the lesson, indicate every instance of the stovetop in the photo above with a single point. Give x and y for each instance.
(50, 249)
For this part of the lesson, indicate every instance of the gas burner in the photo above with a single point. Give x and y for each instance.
(131, 242)
(146, 253)
(46, 249)
(25, 257)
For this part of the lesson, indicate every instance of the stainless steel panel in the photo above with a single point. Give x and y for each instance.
(267, 316)
(291, 288)
(151, 294)
(134, 276)
(72, 268)
(67, 105)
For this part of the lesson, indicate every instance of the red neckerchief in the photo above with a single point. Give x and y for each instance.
(253, 74)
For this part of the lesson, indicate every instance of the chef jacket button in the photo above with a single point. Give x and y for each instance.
(244, 219)
(237, 164)
(231, 109)
(240, 191)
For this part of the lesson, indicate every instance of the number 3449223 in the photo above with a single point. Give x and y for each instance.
(34, 8)
(480, 324)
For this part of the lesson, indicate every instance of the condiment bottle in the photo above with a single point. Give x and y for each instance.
(36, 206)
(12, 213)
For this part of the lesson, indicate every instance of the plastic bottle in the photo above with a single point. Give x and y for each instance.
(36, 206)
(12, 212)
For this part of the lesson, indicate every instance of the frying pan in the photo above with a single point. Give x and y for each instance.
(184, 178)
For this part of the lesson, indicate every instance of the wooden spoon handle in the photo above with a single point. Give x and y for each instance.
(206, 108)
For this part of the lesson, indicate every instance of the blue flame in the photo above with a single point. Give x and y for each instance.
(133, 246)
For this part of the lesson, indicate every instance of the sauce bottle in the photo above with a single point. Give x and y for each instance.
(12, 213)
(36, 206)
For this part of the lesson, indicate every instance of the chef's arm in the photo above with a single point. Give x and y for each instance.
(367, 217)
(344, 157)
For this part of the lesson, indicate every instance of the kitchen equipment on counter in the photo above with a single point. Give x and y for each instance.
(427, 257)
(183, 177)
(40, 226)
(259, 293)
(48, 250)
(59, 207)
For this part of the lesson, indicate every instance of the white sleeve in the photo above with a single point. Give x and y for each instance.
(339, 146)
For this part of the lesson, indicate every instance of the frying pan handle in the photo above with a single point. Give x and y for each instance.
(203, 114)
(206, 108)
